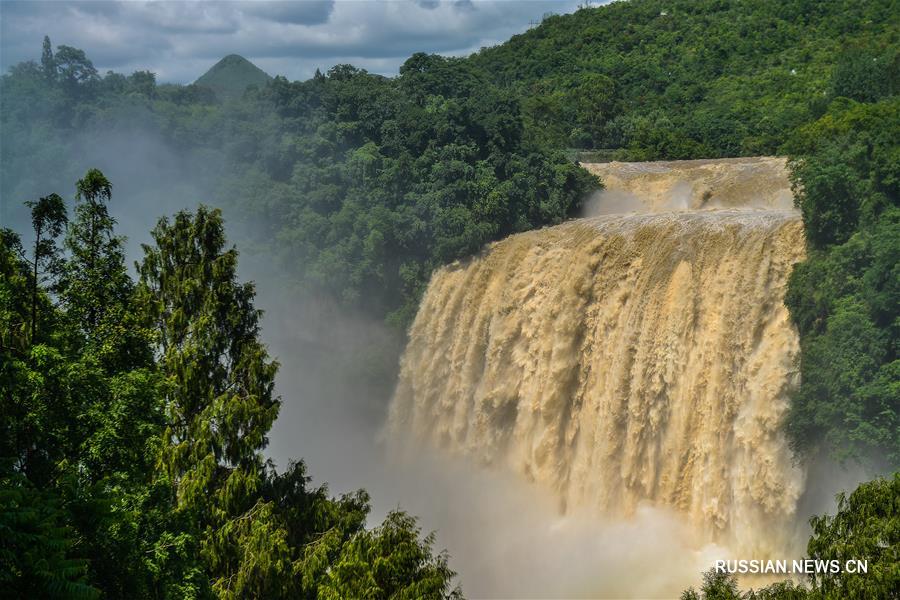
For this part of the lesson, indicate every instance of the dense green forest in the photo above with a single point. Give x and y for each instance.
(134, 418)
(845, 299)
(135, 408)
(357, 184)
(664, 79)
(360, 184)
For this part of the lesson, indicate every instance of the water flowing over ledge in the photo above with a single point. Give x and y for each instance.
(621, 360)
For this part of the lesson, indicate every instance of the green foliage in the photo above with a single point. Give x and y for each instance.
(95, 287)
(781, 590)
(48, 63)
(865, 76)
(724, 586)
(35, 537)
(389, 562)
(357, 185)
(866, 528)
(221, 403)
(383, 180)
(716, 586)
(48, 217)
(34, 545)
(846, 169)
(73, 67)
(133, 421)
(133, 417)
(664, 79)
(219, 400)
(845, 299)
(360, 185)
(75, 427)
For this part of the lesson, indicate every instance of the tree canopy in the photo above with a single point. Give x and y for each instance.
(134, 415)
(360, 185)
(845, 299)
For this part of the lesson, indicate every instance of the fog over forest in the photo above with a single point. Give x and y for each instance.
(598, 294)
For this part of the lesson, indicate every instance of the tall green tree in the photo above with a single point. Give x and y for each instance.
(74, 67)
(15, 349)
(144, 478)
(38, 554)
(389, 562)
(48, 219)
(95, 270)
(96, 288)
(219, 398)
(48, 62)
(35, 403)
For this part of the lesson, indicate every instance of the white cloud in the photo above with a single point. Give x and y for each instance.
(180, 40)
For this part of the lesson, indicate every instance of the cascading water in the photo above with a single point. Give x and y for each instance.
(626, 359)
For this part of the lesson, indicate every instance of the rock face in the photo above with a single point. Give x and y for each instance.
(230, 77)
(624, 359)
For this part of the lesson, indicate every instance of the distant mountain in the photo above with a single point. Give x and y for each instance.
(231, 76)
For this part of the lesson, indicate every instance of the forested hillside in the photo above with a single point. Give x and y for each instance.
(231, 76)
(134, 408)
(361, 184)
(662, 79)
(845, 299)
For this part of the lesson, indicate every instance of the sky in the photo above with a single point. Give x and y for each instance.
(179, 41)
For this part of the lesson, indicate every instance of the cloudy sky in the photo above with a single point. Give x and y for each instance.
(179, 41)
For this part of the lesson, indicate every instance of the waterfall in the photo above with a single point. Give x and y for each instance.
(627, 359)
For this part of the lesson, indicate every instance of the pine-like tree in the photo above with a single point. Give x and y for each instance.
(48, 62)
(219, 404)
(97, 262)
(96, 288)
(48, 219)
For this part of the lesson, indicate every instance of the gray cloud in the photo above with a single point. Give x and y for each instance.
(180, 40)
(309, 12)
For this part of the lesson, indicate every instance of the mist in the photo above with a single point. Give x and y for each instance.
(150, 180)
(619, 201)
(506, 537)
(600, 394)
